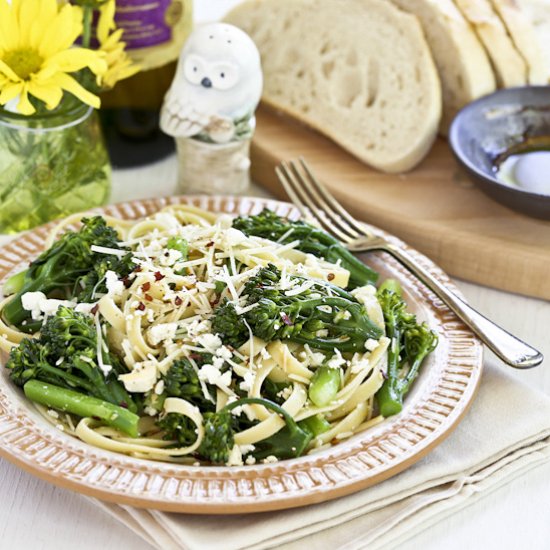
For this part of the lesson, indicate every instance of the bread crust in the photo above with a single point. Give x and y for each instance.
(464, 67)
(523, 34)
(510, 67)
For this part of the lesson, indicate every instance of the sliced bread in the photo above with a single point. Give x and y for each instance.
(523, 34)
(463, 65)
(510, 67)
(538, 12)
(358, 71)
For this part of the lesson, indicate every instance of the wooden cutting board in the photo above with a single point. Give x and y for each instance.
(434, 208)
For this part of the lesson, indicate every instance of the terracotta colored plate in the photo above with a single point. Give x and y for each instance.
(440, 397)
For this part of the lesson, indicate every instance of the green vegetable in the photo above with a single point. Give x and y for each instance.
(179, 244)
(324, 385)
(390, 284)
(289, 442)
(178, 427)
(315, 425)
(82, 405)
(66, 355)
(312, 240)
(69, 267)
(410, 343)
(323, 316)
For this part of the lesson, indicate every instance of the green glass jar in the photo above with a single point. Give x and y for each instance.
(51, 164)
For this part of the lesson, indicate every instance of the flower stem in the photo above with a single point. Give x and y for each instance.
(87, 24)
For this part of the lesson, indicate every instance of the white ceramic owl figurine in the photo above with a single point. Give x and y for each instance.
(217, 86)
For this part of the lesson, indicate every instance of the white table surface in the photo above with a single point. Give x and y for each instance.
(36, 515)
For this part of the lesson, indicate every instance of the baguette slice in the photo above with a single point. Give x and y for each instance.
(463, 65)
(510, 67)
(538, 12)
(524, 36)
(358, 71)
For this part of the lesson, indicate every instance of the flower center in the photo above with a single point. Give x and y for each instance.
(23, 62)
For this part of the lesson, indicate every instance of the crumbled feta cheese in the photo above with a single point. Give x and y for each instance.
(245, 449)
(114, 286)
(85, 308)
(235, 457)
(39, 305)
(161, 332)
(285, 393)
(211, 342)
(212, 375)
(234, 237)
(336, 360)
(224, 353)
(248, 381)
(53, 414)
(250, 460)
(142, 378)
(358, 363)
(170, 257)
(271, 459)
(371, 344)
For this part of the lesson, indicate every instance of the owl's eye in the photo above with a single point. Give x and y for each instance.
(225, 76)
(193, 69)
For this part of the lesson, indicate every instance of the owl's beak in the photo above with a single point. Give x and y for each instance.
(206, 82)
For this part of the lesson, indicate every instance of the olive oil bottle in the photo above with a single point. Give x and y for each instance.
(154, 32)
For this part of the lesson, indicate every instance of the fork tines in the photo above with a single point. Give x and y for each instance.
(315, 201)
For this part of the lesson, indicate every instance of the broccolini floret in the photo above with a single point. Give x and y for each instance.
(69, 267)
(65, 355)
(311, 240)
(323, 315)
(410, 343)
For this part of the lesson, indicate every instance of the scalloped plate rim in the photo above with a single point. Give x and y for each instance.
(323, 466)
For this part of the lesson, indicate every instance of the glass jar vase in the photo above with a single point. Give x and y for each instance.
(51, 164)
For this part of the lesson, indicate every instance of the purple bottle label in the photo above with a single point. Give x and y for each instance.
(147, 22)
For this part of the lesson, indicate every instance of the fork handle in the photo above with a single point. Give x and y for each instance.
(507, 347)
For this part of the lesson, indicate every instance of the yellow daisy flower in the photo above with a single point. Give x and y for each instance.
(119, 64)
(37, 53)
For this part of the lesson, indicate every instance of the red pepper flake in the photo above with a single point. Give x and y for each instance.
(141, 306)
(146, 286)
(178, 301)
(137, 269)
(158, 276)
(330, 276)
(286, 319)
(95, 309)
(148, 297)
(211, 243)
(214, 302)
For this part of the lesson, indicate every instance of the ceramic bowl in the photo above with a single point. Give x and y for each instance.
(491, 126)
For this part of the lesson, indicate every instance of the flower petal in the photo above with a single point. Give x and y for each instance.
(72, 86)
(10, 92)
(25, 106)
(75, 59)
(63, 31)
(9, 29)
(49, 93)
(4, 69)
(106, 21)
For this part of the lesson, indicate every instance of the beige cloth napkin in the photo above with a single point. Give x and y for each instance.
(506, 433)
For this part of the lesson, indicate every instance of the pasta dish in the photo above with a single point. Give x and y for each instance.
(197, 338)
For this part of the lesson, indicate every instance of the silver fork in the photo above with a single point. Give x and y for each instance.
(312, 198)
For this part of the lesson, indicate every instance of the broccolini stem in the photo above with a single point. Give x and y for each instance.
(15, 283)
(266, 403)
(82, 405)
(324, 385)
